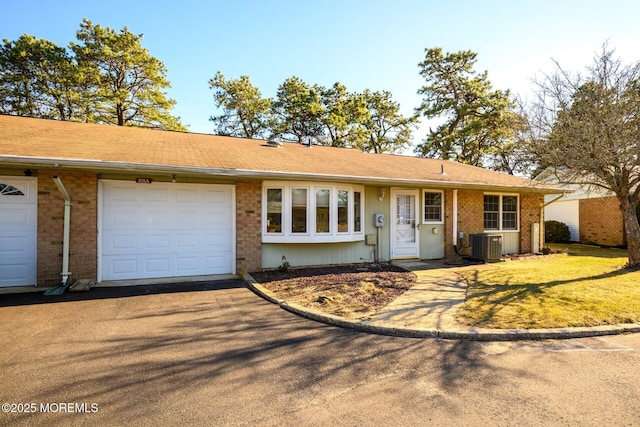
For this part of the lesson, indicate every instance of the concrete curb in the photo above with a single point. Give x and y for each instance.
(469, 334)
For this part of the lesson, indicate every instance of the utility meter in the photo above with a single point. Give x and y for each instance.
(378, 219)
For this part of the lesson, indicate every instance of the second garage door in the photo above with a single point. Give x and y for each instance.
(166, 230)
(18, 219)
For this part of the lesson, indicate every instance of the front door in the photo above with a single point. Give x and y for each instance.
(404, 224)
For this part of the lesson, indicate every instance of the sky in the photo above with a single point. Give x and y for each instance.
(363, 44)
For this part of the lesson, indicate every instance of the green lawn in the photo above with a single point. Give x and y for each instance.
(589, 286)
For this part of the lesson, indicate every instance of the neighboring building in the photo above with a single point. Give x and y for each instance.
(148, 204)
(593, 215)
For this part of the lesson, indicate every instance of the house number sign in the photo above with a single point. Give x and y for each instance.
(143, 180)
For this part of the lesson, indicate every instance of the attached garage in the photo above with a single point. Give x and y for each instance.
(164, 229)
(18, 230)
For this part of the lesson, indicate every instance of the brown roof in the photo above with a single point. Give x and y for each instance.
(28, 141)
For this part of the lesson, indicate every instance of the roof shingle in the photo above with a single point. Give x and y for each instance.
(28, 140)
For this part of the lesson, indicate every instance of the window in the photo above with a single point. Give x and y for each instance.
(311, 212)
(9, 190)
(274, 210)
(323, 211)
(491, 212)
(343, 211)
(357, 212)
(298, 210)
(433, 207)
(500, 212)
(509, 213)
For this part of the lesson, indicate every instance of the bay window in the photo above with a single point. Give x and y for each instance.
(311, 212)
(343, 211)
(274, 210)
(299, 210)
(323, 211)
(357, 212)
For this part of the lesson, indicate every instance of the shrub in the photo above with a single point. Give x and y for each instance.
(556, 232)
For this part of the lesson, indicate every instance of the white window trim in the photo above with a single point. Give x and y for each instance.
(424, 201)
(289, 208)
(311, 236)
(500, 227)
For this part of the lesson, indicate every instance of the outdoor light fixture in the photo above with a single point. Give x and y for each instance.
(381, 194)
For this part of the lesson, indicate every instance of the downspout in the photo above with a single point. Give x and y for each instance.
(455, 219)
(455, 223)
(67, 222)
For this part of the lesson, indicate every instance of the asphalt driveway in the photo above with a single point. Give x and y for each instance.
(216, 354)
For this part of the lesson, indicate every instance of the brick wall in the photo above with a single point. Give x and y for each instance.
(248, 226)
(601, 221)
(83, 190)
(530, 206)
(448, 225)
(471, 219)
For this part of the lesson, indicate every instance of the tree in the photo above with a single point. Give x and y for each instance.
(244, 112)
(39, 79)
(298, 110)
(345, 116)
(510, 155)
(388, 131)
(477, 119)
(126, 81)
(589, 127)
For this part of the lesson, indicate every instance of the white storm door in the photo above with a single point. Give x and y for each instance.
(18, 230)
(404, 224)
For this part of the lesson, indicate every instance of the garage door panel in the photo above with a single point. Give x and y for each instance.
(168, 230)
(186, 219)
(158, 267)
(118, 218)
(13, 271)
(217, 263)
(156, 195)
(124, 192)
(187, 196)
(157, 242)
(16, 244)
(120, 244)
(188, 242)
(188, 265)
(217, 242)
(121, 267)
(216, 197)
(17, 216)
(18, 230)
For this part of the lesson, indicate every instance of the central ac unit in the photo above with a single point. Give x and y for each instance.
(486, 247)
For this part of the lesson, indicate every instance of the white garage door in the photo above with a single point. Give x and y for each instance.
(18, 230)
(166, 230)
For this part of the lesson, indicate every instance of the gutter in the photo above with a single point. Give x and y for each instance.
(67, 222)
(99, 165)
(554, 199)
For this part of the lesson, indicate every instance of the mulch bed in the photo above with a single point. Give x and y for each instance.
(354, 291)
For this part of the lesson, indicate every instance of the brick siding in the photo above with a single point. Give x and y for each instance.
(471, 219)
(601, 221)
(530, 207)
(248, 226)
(82, 188)
(448, 225)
